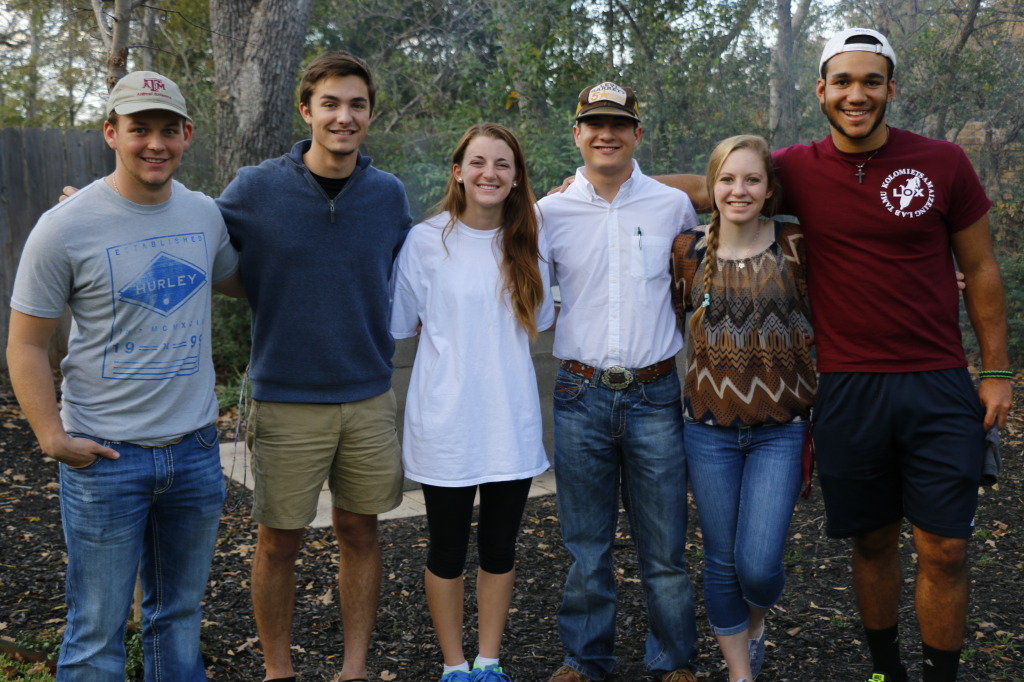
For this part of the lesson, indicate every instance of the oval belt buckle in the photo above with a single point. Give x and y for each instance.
(616, 378)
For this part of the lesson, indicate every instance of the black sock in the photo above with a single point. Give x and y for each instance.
(939, 665)
(885, 652)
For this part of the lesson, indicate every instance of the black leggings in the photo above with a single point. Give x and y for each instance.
(450, 514)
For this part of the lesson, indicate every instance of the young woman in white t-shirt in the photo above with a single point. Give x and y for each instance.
(474, 282)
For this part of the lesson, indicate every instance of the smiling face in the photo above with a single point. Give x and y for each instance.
(741, 187)
(148, 146)
(486, 173)
(338, 114)
(853, 95)
(607, 144)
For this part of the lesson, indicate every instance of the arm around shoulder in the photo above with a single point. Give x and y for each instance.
(28, 343)
(693, 185)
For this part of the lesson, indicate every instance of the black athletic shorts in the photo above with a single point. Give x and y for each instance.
(899, 445)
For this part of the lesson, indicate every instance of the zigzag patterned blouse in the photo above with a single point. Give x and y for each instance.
(753, 364)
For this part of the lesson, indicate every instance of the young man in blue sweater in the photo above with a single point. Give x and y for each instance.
(317, 230)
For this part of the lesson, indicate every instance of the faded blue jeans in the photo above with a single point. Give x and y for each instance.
(745, 482)
(607, 440)
(158, 506)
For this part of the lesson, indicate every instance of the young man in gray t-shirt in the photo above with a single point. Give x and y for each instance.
(134, 255)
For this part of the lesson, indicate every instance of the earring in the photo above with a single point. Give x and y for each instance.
(515, 184)
(458, 180)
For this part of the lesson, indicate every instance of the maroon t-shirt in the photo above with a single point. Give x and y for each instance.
(880, 270)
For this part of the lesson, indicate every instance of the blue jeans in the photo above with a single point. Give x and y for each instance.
(633, 439)
(745, 481)
(158, 506)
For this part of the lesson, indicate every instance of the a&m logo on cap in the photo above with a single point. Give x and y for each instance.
(608, 92)
(153, 84)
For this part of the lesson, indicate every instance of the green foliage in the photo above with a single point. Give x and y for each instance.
(23, 672)
(134, 668)
(229, 389)
(232, 338)
(48, 71)
(1011, 266)
(46, 642)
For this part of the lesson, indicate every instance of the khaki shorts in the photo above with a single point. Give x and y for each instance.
(297, 446)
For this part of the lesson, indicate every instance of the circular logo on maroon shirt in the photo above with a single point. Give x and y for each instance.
(907, 193)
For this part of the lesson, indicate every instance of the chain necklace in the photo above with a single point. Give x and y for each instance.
(113, 179)
(860, 166)
(744, 253)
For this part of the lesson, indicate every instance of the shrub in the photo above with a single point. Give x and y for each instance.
(1012, 268)
(232, 337)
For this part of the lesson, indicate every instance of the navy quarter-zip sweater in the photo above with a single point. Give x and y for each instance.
(316, 272)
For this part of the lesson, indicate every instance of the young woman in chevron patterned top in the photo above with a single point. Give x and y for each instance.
(747, 395)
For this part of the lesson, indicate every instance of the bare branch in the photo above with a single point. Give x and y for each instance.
(800, 16)
(188, 21)
(102, 23)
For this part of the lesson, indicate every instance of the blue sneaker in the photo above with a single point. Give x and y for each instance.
(756, 648)
(492, 673)
(458, 676)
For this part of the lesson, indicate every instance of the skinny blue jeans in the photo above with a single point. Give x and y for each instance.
(745, 482)
(158, 508)
(629, 440)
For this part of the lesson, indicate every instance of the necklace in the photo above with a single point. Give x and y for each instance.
(113, 179)
(744, 252)
(860, 166)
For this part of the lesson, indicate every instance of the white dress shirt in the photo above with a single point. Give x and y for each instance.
(611, 263)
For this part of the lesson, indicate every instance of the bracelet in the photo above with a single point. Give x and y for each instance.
(995, 374)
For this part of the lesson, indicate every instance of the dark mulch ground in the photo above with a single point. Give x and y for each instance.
(815, 634)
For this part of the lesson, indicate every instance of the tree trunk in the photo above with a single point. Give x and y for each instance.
(783, 101)
(146, 51)
(257, 45)
(953, 57)
(117, 54)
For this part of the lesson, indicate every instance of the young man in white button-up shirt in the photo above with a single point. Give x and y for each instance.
(618, 417)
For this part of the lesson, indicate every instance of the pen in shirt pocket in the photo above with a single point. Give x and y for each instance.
(639, 238)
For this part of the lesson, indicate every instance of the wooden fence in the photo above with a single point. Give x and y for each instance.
(34, 165)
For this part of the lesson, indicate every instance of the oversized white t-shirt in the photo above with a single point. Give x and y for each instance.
(472, 414)
(137, 278)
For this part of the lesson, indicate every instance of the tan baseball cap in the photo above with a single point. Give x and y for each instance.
(145, 90)
(607, 99)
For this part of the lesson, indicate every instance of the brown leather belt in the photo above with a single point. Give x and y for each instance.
(618, 377)
(164, 445)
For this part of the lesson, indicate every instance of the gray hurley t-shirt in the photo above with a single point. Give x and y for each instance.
(137, 279)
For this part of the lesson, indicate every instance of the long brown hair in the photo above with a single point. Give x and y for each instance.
(723, 149)
(519, 229)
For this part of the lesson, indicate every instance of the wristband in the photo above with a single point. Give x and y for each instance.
(995, 374)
